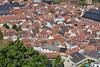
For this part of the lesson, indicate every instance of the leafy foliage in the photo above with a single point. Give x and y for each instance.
(16, 28)
(82, 2)
(58, 62)
(6, 26)
(96, 1)
(56, 1)
(1, 35)
(17, 55)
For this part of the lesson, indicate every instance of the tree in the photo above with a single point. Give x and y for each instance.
(6, 26)
(56, 1)
(1, 35)
(58, 62)
(16, 54)
(16, 28)
(82, 2)
(96, 1)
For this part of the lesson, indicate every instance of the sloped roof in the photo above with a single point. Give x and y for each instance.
(53, 48)
(7, 6)
(77, 57)
(51, 55)
(63, 50)
(93, 15)
(94, 54)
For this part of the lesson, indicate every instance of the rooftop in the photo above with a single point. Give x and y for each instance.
(93, 54)
(8, 6)
(93, 15)
(77, 57)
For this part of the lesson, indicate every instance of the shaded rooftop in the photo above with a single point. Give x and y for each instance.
(92, 14)
(94, 54)
(8, 6)
(77, 57)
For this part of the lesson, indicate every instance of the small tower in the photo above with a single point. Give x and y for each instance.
(88, 2)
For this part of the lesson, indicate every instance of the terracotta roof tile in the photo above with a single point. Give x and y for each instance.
(16, 11)
(8, 18)
(90, 48)
(27, 42)
(70, 51)
(51, 55)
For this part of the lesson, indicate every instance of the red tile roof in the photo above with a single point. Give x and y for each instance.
(27, 42)
(8, 18)
(16, 11)
(70, 51)
(90, 48)
(51, 55)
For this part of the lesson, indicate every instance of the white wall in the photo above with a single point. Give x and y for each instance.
(68, 62)
(95, 65)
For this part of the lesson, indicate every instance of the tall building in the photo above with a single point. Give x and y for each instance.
(88, 2)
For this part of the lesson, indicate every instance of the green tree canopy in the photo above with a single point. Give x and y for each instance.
(1, 35)
(58, 62)
(16, 28)
(82, 2)
(6, 26)
(17, 55)
(96, 1)
(56, 1)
